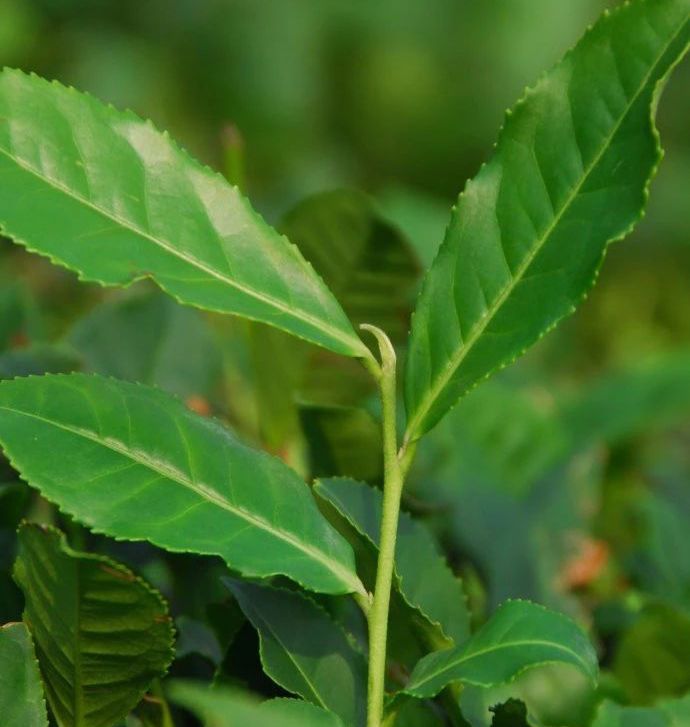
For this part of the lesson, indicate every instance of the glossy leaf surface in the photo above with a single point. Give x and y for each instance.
(21, 691)
(107, 195)
(102, 634)
(134, 463)
(231, 708)
(424, 579)
(305, 651)
(520, 635)
(528, 234)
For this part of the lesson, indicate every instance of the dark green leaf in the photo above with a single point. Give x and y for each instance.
(36, 360)
(21, 691)
(424, 579)
(150, 339)
(366, 261)
(520, 635)
(512, 713)
(102, 634)
(304, 651)
(343, 440)
(134, 463)
(651, 659)
(104, 193)
(526, 239)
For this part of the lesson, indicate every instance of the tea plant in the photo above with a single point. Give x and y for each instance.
(106, 195)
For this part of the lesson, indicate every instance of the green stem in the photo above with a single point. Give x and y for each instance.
(392, 492)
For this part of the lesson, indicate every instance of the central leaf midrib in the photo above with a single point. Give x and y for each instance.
(185, 257)
(203, 491)
(457, 359)
(499, 647)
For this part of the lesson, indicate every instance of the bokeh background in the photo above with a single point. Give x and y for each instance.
(566, 478)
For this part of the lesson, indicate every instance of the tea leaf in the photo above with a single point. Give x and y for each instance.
(150, 339)
(670, 713)
(21, 691)
(366, 261)
(102, 634)
(424, 579)
(105, 194)
(520, 635)
(571, 173)
(134, 463)
(610, 714)
(304, 651)
(229, 708)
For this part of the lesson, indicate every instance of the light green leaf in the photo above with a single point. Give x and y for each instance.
(671, 713)
(149, 339)
(102, 634)
(21, 691)
(232, 708)
(526, 239)
(424, 579)
(134, 463)
(610, 714)
(520, 635)
(304, 651)
(104, 193)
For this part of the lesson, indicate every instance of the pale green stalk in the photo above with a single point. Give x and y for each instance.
(392, 491)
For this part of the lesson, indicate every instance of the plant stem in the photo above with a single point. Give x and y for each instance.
(392, 491)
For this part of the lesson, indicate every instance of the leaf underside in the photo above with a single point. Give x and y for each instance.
(102, 635)
(107, 195)
(525, 241)
(519, 635)
(134, 463)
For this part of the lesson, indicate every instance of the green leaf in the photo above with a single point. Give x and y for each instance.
(21, 691)
(671, 713)
(610, 714)
(230, 708)
(367, 262)
(134, 463)
(37, 359)
(520, 635)
(149, 339)
(104, 193)
(570, 174)
(304, 651)
(424, 579)
(102, 634)
(627, 401)
(651, 659)
(304, 713)
(343, 441)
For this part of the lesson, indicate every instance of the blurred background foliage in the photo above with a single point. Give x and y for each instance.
(565, 479)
